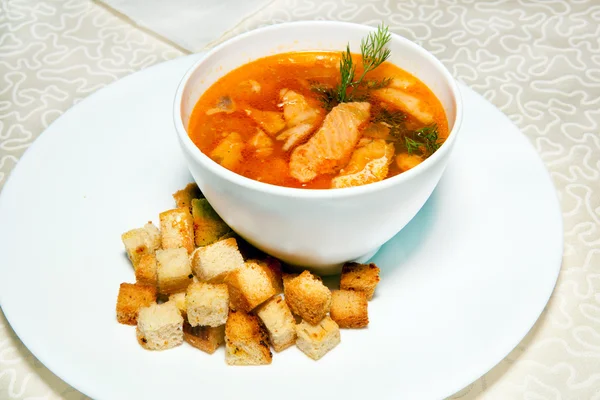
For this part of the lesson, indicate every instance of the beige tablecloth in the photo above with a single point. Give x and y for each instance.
(539, 62)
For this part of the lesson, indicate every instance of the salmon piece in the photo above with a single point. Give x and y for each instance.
(270, 121)
(229, 151)
(296, 109)
(407, 103)
(295, 135)
(329, 149)
(407, 161)
(368, 164)
(300, 118)
(262, 143)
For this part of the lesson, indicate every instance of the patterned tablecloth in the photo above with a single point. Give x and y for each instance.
(539, 62)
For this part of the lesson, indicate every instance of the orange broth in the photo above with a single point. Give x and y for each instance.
(296, 71)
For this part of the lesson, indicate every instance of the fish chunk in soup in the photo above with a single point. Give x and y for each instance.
(274, 120)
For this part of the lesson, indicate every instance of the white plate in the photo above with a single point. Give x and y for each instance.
(461, 285)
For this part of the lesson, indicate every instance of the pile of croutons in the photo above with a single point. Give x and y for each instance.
(194, 284)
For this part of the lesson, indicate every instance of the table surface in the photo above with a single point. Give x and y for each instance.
(539, 62)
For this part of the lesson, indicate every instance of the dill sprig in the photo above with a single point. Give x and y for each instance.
(327, 95)
(373, 52)
(429, 138)
(412, 145)
(394, 120)
(424, 140)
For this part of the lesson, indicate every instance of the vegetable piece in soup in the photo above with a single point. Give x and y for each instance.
(283, 120)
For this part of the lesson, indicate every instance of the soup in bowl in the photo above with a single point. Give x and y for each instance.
(307, 151)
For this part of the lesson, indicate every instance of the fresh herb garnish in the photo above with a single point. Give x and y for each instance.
(373, 52)
(394, 120)
(429, 138)
(326, 95)
(412, 145)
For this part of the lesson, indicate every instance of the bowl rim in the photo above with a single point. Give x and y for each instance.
(284, 191)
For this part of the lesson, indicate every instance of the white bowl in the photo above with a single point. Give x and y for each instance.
(319, 229)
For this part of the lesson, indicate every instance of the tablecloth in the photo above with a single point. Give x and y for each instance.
(538, 61)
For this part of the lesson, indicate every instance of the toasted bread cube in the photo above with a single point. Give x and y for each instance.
(211, 263)
(179, 300)
(308, 297)
(174, 271)
(205, 338)
(349, 308)
(207, 304)
(316, 340)
(177, 229)
(246, 342)
(360, 277)
(131, 298)
(277, 318)
(183, 198)
(249, 286)
(160, 326)
(286, 277)
(146, 270)
(208, 226)
(141, 241)
(272, 267)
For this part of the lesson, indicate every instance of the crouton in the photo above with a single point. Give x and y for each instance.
(131, 298)
(208, 226)
(349, 309)
(173, 270)
(281, 326)
(286, 277)
(141, 241)
(207, 304)
(179, 300)
(205, 338)
(145, 272)
(249, 286)
(272, 267)
(246, 342)
(183, 198)
(211, 263)
(307, 297)
(360, 277)
(160, 326)
(177, 229)
(316, 340)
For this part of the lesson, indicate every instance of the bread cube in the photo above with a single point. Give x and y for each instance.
(349, 308)
(173, 270)
(308, 297)
(131, 298)
(141, 241)
(208, 225)
(249, 286)
(316, 340)
(277, 318)
(160, 326)
(246, 342)
(146, 270)
(211, 263)
(177, 229)
(179, 300)
(272, 267)
(360, 277)
(207, 304)
(205, 338)
(183, 198)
